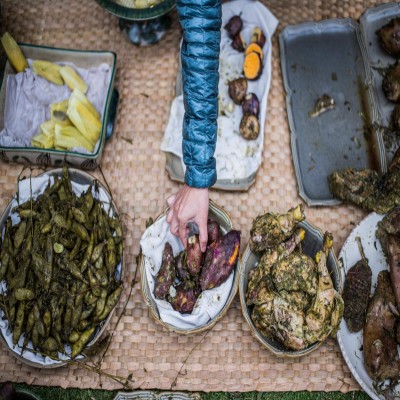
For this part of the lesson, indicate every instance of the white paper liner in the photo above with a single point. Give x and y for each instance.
(237, 158)
(37, 186)
(29, 96)
(210, 302)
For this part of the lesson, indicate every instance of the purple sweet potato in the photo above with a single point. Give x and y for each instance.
(194, 259)
(166, 275)
(185, 297)
(221, 257)
(181, 265)
(213, 231)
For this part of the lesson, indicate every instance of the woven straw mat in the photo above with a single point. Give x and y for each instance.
(227, 358)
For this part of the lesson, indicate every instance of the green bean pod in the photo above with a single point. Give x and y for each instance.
(101, 302)
(97, 251)
(19, 235)
(4, 263)
(80, 231)
(88, 253)
(111, 259)
(60, 221)
(76, 248)
(25, 214)
(111, 302)
(35, 337)
(24, 294)
(50, 344)
(19, 322)
(87, 312)
(80, 344)
(47, 321)
(90, 298)
(94, 283)
(73, 337)
(79, 215)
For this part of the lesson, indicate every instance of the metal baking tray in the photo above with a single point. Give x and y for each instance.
(329, 57)
(372, 20)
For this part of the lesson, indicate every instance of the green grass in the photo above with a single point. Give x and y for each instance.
(50, 393)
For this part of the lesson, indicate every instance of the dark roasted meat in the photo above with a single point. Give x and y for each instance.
(391, 83)
(367, 189)
(379, 343)
(356, 292)
(388, 233)
(389, 37)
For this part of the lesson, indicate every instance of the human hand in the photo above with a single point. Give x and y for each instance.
(189, 204)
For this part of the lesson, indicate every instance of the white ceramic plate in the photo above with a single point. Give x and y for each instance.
(351, 343)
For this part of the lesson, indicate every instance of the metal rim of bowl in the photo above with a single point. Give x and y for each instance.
(89, 178)
(137, 14)
(153, 312)
(254, 331)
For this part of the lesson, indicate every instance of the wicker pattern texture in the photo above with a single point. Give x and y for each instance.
(142, 352)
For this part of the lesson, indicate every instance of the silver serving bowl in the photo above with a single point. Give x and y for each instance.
(81, 178)
(311, 244)
(225, 224)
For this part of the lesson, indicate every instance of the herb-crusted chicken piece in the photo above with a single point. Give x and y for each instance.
(270, 229)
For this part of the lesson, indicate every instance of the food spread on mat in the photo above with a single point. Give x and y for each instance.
(323, 104)
(292, 294)
(356, 292)
(246, 33)
(377, 315)
(367, 189)
(74, 123)
(60, 268)
(181, 279)
(138, 3)
(389, 37)
(252, 67)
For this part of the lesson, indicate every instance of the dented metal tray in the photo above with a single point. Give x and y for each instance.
(329, 57)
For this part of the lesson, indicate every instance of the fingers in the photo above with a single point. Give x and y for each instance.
(182, 232)
(171, 200)
(203, 237)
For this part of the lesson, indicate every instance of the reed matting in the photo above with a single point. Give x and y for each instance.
(227, 358)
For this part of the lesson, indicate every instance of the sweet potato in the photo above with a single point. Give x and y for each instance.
(221, 257)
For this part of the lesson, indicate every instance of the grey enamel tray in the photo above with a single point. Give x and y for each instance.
(329, 57)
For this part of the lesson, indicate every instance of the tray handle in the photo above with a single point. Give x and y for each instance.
(112, 114)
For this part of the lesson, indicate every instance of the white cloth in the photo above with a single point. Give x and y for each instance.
(28, 100)
(237, 158)
(209, 303)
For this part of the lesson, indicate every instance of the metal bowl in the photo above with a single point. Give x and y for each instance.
(137, 14)
(81, 178)
(225, 224)
(311, 244)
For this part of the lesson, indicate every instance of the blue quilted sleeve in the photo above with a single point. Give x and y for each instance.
(201, 24)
